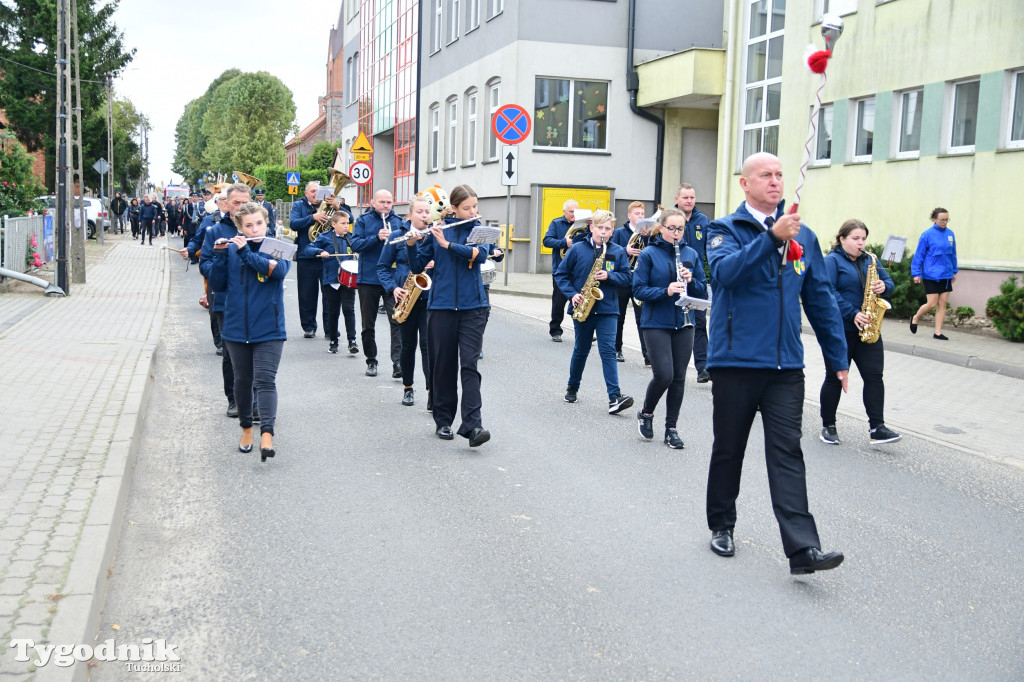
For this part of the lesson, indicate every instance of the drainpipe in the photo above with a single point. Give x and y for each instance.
(49, 288)
(725, 159)
(633, 85)
(419, 75)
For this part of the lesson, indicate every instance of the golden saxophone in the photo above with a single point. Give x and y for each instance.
(591, 289)
(873, 306)
(414, 284)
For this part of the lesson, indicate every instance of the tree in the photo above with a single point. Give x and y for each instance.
(321, 156)
(18, 186)
(28, 39)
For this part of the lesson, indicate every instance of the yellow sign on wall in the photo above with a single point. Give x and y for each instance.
(553, 198)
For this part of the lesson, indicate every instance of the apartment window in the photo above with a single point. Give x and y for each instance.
(840, 7)
(453, 18)
(352, 79)
(908, 120)
(472, 14)
(494, 8)
(351, 9)
(864, 131)
(762, 93)
(570, 113)
(493, 103)
(823, 137)
(963, 117)
(451, 136)
(436, 28)
(434, 145)
(469, 144)
(1015, 115)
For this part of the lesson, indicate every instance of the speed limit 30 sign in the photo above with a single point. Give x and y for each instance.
(360, 172)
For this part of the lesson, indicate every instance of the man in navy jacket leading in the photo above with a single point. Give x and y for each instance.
(556, 240)
(756, 357)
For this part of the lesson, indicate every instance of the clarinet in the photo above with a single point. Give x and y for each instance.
(679, 278)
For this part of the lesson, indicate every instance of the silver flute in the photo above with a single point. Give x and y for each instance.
(413, 233)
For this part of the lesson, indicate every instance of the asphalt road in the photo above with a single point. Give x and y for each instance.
(565, 548)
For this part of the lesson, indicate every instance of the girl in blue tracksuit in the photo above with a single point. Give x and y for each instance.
(667, 328)
(337, 299)
(570, 278)
(457, 315)
(846, 267)
(254, 331)
(935, 264)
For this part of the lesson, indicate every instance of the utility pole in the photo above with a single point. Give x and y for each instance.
(110, 143)
(78, 240)
(63, 206)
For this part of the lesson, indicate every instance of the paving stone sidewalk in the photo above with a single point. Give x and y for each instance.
(74, 376)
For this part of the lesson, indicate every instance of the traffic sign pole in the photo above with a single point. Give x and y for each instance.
(508, 228)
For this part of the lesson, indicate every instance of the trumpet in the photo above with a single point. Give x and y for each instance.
(414, 233)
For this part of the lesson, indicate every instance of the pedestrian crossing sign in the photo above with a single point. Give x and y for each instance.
(292, 179)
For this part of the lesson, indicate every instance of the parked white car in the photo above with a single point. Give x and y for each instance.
(95, 211)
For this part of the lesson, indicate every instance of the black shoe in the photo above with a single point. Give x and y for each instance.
(430, 401)
(812, 559)
(407, 398)
(619, 357)
(830, 435)
(703, 376)
(396, 371)
(232, 410)
(245, 448)
(310, 334)
(557, 338)
(444, 432)
(647, 361)
(570, 394)
(266, 453)
(673, 440)
(480, 356)
(883, 434)
(940, 337)
(913, 327)
(478, 436)
(333, 348)
(220, 351)
(645, 423)
(371, 369)
(352, 347)
(619, 403)
(721, 542)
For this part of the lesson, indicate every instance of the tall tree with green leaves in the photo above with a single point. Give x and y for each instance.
(28, 45)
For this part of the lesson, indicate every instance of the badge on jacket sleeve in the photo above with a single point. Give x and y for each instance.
(716, 241)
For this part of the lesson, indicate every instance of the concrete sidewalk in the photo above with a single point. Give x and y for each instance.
(981, 349)
(75, 380)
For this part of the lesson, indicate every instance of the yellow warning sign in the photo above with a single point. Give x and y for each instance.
(361, 157)
(362, 145)
(293, 189)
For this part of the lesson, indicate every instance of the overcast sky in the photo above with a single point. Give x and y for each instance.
(182, 46)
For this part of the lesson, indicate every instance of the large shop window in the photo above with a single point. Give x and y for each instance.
(570, 114)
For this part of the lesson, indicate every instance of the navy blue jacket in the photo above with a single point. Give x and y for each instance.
(271, 217)
(935, 257)
(150, 211)
(574, 269)
(300, 220)
(755, 321)
(195, 245)
(326, 242)
(696, 234)
(215, 230)
(368, 245)
(393, 266)
(655, 270)
(456, 274)
(848, 278)
(554, 239)
(254, 304)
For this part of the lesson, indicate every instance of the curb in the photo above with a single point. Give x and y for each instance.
(516, 292)
(79, 614)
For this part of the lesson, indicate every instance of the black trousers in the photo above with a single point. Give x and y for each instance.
(256, 380)
(148, 228)
(737, 393)
(226, 370)
(558, 303)
(454, 338)
(870, 359)
(336, 301)
(414, 333)
(669, 351)
(370, 296)
(700, 339)
(215, 321)
(307, 278)
(625, 294)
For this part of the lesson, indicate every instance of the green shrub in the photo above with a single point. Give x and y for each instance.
(962, 314)
(906, 297)
(274, 178)
(1007, 310)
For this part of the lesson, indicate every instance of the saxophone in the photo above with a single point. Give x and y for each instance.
(873, 306)
(591, 289)
(414, 284)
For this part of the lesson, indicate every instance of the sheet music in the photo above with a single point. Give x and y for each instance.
(484, 234)
(894, 248)
(277, 249)
(323, 192)
(691, 303)
(646, 223)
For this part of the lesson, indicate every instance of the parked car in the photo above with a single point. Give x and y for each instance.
(95, 211)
